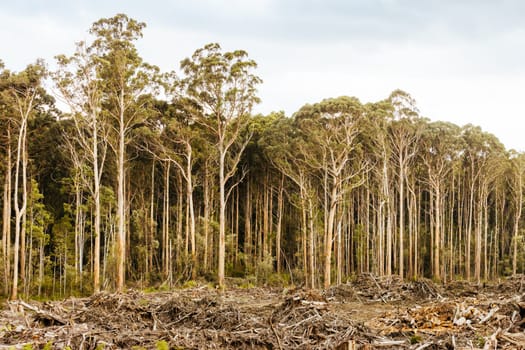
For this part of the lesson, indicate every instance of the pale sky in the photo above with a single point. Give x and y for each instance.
(462, 60)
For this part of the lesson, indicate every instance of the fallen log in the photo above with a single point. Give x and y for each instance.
(41, 314)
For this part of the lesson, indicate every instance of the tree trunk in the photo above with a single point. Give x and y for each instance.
(305, 241)
(388, 216)
(23, 267)
(469, 229)
(97, 219)
(181, 249)
(478, 224)
(329, 237)
(206, 195)
(78, 223)
(151, 227)
(279, 224)
(6, 217)
(517, 217)
(311, 241)
(339, 253)
(265, 217)
(121, 198)
(20, 208)
(222, 217)
(486, 261)
(401, 217)
(189, 194)
(437, 233)
(166, 223)
(41, 261)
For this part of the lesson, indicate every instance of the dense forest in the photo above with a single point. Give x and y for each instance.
(117, 175)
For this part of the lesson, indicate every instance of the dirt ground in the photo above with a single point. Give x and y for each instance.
(367, 313)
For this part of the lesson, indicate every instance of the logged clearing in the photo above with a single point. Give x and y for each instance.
(367, 313)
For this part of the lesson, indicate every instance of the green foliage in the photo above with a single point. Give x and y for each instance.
(190, 284)
(264, 269)
(162, 345)
(330, 154)
(480, 341)
(247, 284)
(279, 280)
(415, 339)
(40, 217)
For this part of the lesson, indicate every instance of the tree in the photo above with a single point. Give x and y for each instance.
(330, 128)
(404, 136)
(517, 161)
(39, 220)
(24, 92)
(224, 88)
(81, 88)
(127, 79)
(6, 110)
(440, 142)
(181, 131)
(375, 135)
(482, 159)
(283, 146)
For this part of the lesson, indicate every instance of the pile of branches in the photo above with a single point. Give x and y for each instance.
(369, 312)
(370, 288)
(473, 323)
(206, 320)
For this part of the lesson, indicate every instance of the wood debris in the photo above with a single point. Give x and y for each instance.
(368, 313)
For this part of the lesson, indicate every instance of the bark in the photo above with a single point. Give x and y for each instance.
(222, 217)
(386, 203)
(23, 224)
(266, 218)
(311, 241)
(121, 205)
(151, 227)
(248, 240)
(96, 199)
(165, 223)
(189, 199)
(329, 237)
(307, 270)
(437, 233)
(518, 203)
(6, 217)
(279, 224)
(20, 207)
(206, 195)
(401, 216)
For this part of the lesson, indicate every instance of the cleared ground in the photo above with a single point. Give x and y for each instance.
(368, 313)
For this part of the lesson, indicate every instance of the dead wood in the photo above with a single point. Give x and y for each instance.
(369, 312)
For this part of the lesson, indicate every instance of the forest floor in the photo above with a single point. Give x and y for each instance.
(367, 313)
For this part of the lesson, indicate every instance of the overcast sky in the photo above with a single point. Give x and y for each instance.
(463, 61)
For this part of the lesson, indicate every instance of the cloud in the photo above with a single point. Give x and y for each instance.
(35, 37)
(462, 60)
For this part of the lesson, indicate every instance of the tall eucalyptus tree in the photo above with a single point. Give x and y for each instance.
(404, 136)
(23, 91)
(127, 80)
(330, 128)
(224, 87)
(81, 88)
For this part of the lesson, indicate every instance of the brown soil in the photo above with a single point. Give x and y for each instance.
(368, 313)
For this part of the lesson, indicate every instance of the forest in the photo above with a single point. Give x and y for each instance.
(117, 175)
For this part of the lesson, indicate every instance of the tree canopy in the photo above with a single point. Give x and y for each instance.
(155, 179)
